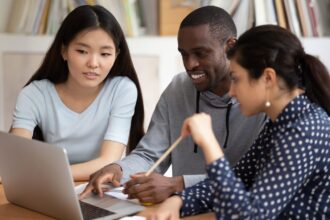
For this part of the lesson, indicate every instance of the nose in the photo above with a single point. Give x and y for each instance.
(92, 62)
(190, 62)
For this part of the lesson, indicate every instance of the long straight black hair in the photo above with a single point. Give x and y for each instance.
(272, 46)
(55, 69)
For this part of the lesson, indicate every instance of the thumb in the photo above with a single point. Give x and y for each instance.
(115, 181)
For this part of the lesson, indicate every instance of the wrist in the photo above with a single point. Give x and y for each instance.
(177, 201)
(212, 155)
(115, 167)
(178, 184)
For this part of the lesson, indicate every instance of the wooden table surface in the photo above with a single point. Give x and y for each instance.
(10, 211)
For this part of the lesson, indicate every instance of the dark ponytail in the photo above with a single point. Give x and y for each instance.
(317, 81)
(272, 46)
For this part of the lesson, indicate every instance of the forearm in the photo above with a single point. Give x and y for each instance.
(169, 209)
(82, 171)
(110, 152)
(197, 199)
(212, 150)
(22, 132)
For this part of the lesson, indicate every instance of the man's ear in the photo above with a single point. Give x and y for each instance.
(230, 43)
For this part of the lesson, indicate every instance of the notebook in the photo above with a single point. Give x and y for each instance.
(37, 176)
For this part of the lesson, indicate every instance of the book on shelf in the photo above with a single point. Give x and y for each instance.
(271, 16)
(149, 16)
(44, 17)
(307, 18)
(244, 16)
(116, 8)
(293, 21)
(170, 16)
(260, 12)
(320, 14)
(313, 17)
(229, 6)
(18, 15)
(324, 16)
(281, 17)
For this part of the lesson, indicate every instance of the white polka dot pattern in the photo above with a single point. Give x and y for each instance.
(284, 175)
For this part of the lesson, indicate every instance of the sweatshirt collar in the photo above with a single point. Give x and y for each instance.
(217, 101)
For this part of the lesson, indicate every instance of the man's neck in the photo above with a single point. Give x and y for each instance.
(222, 88)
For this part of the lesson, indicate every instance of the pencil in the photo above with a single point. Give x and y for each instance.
(169, 150)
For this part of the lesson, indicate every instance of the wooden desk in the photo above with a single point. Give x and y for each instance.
(9, 211)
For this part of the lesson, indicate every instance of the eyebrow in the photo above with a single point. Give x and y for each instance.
(86, 45)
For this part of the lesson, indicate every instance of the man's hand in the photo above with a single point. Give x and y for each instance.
(111, 173)
(152, 189)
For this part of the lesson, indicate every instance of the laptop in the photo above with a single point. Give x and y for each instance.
(37, 176)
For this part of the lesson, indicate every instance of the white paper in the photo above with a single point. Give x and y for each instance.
(114, 192)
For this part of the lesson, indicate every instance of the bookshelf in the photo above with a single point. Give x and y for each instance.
(155, 57)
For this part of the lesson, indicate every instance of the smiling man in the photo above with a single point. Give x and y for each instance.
(203, 38)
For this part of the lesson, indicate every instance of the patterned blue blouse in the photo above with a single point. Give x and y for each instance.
(284, 175)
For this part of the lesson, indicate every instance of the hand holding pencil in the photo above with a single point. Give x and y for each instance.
(151, 188)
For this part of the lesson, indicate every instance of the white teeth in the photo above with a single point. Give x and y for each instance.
(197, 76)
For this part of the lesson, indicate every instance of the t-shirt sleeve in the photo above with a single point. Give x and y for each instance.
(27, 113)
(122, 112)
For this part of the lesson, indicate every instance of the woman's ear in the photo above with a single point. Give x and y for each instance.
(64, 53)
(269, 77)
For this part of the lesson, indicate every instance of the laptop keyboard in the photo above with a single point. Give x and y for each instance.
(90, 212)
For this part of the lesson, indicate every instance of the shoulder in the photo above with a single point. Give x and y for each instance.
(120, 86)
(36, 88)
(310, 128)
(314, 122)
(181, 85)
(179, 80)
(120, 82)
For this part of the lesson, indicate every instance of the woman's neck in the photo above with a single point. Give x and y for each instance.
(75, 97)
(280, 101)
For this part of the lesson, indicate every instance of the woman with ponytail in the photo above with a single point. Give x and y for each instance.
(285, 174)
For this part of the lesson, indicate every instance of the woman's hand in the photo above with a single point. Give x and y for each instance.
(200, 127)
(168, 210)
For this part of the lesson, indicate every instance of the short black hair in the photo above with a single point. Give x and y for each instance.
(220, 22)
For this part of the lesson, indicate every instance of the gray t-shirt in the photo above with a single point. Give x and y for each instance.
(81, 134)
(177, 103)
